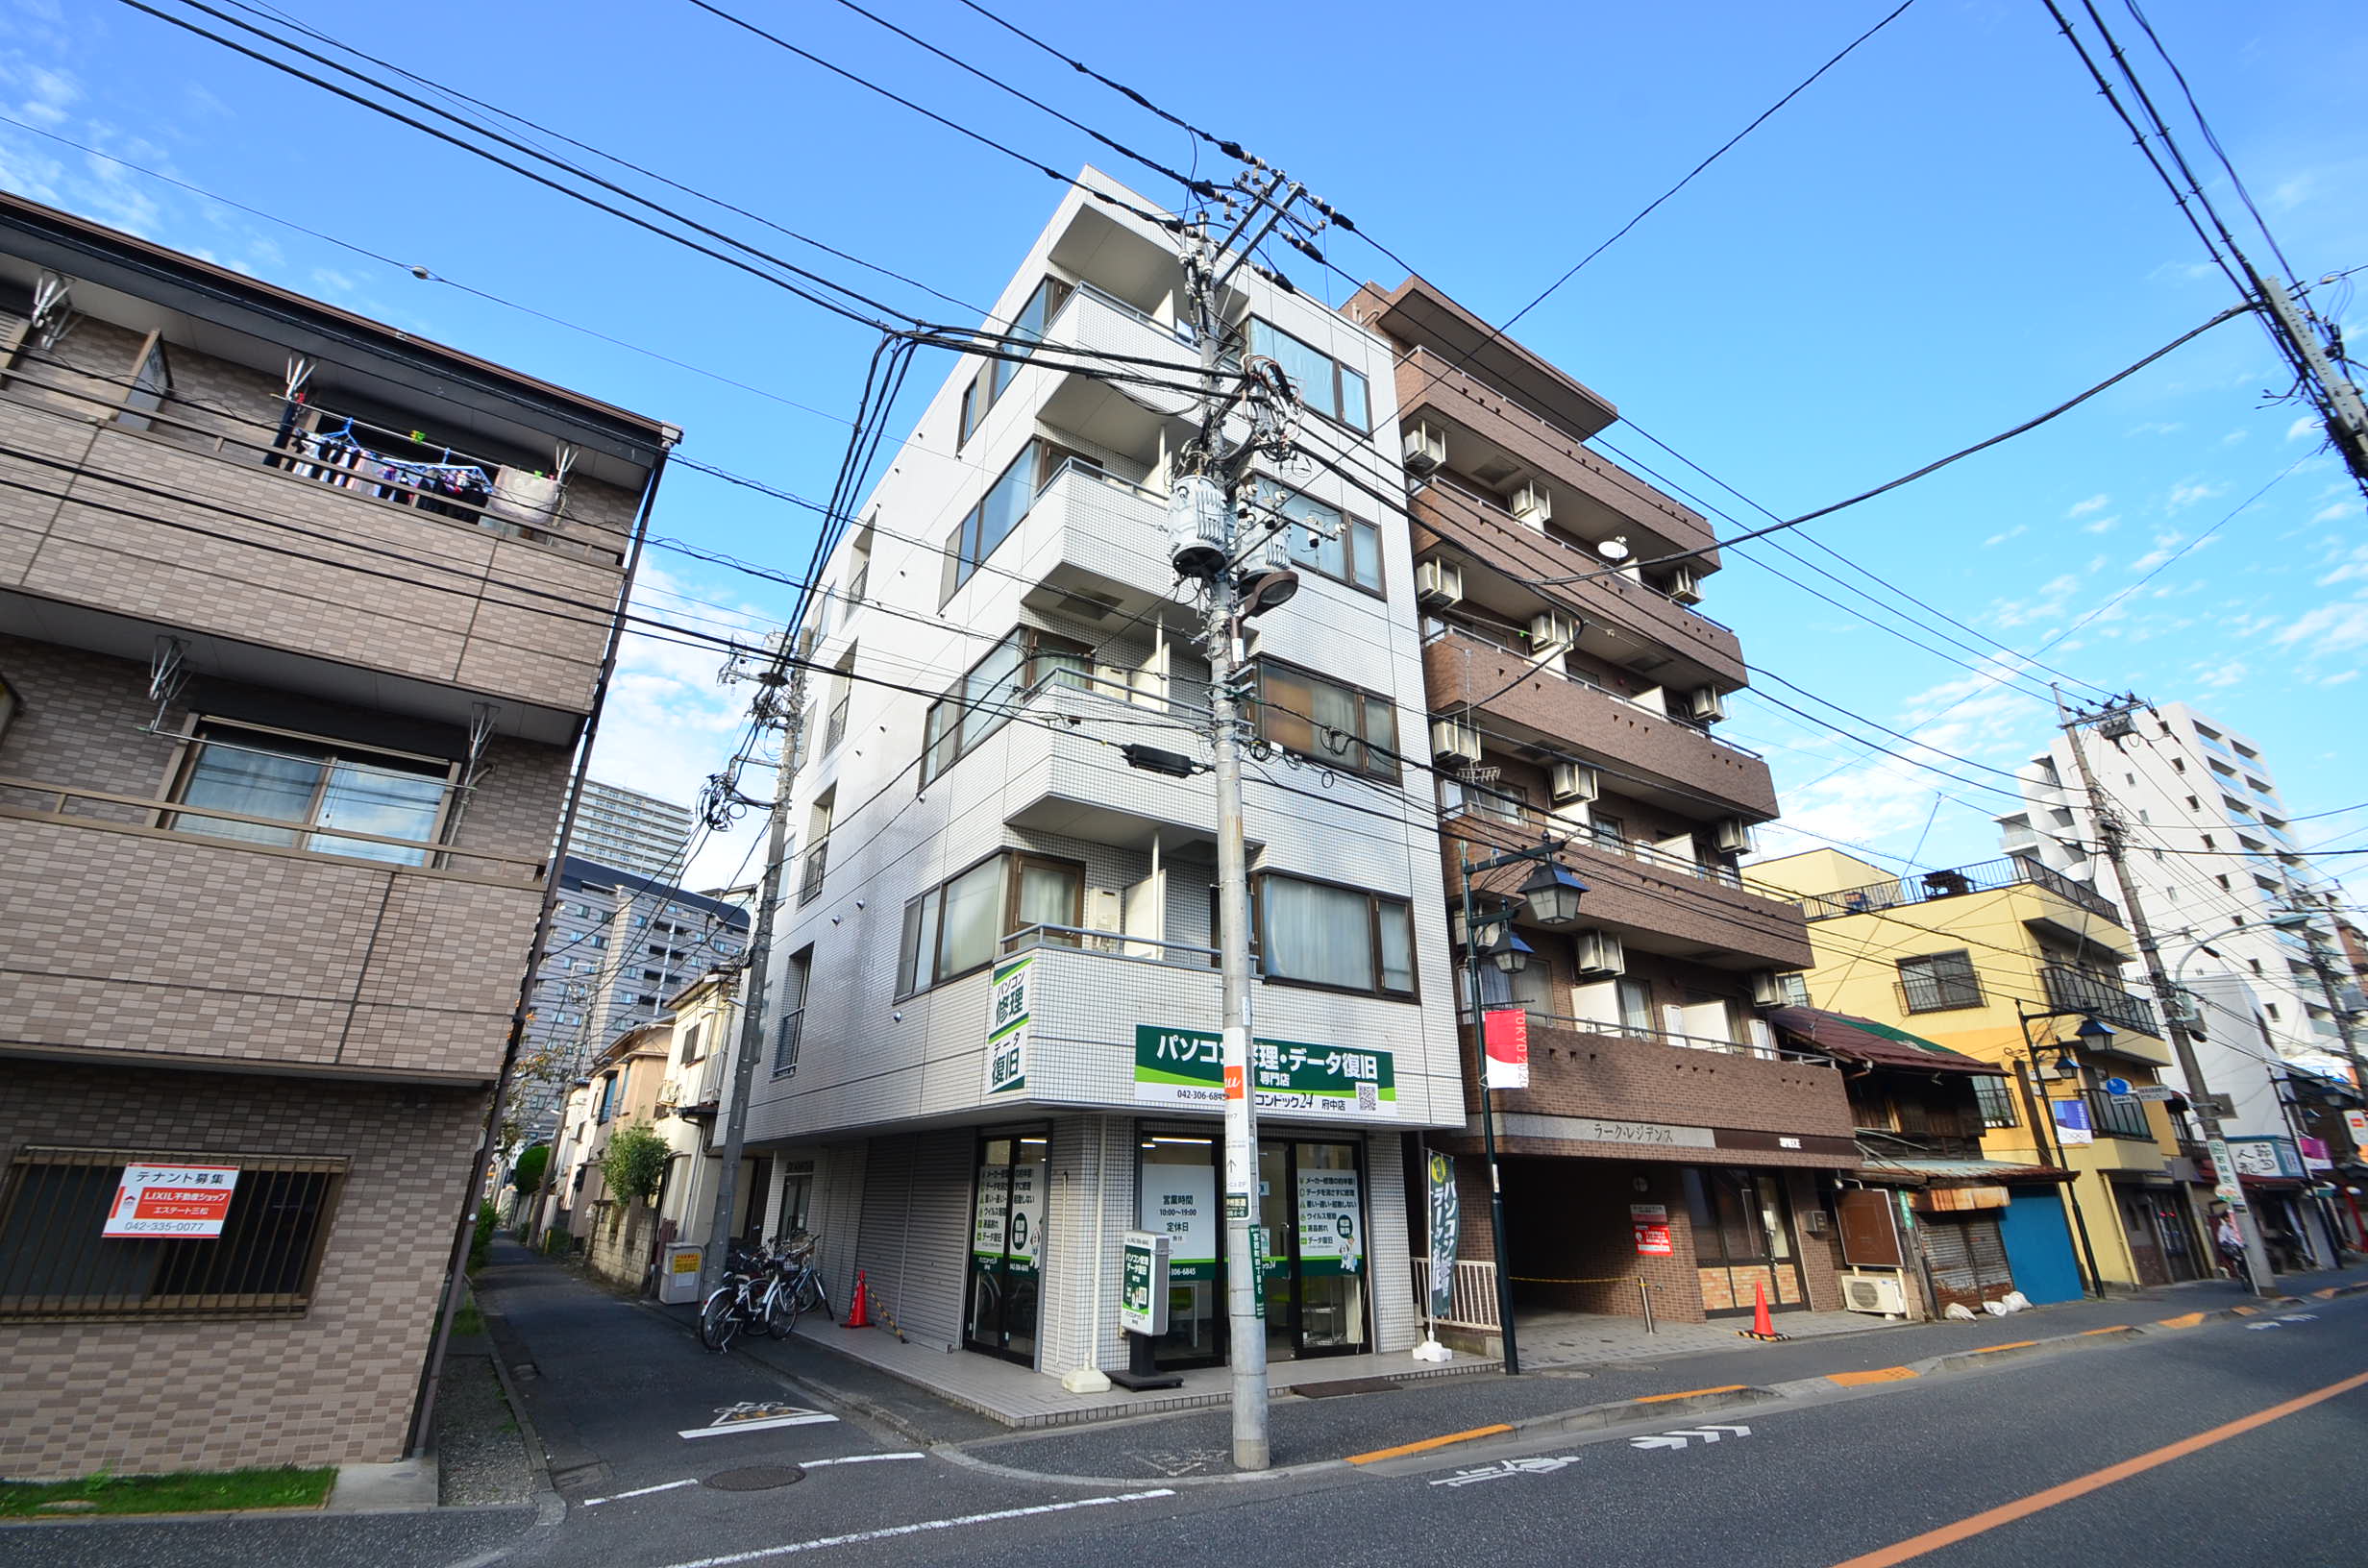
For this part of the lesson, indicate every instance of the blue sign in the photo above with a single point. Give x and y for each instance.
(2118, 1088)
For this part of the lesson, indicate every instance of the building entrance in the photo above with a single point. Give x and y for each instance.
(1743, 1239)
(1007, 1220)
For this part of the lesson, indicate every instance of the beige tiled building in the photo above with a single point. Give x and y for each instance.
(301, 621)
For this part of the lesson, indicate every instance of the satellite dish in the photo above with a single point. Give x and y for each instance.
(1614, 548)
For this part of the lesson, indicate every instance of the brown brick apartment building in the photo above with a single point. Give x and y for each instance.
(303, 621)
(1574, 683)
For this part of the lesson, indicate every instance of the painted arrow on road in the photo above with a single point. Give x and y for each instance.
(2256, 1326)
(1681, 1437)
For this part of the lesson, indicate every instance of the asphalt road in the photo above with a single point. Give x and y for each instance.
(1814, 1483)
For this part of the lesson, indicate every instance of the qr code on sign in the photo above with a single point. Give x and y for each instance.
(1368, 1097)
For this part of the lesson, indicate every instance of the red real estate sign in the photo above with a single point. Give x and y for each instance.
(184, 1201)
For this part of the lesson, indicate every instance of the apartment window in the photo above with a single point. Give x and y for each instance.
(2271, 1007)
(1636, 1006)
(961, 721)
(609, 1098)
(1488, 798)
(1610, 832)
(1007, 500)
(1339, 727)
(10, 704)
(1325, 384)
(316, 784)
(957, 927)
(1995, 1101)
(1343, 937)
(1324, 540)
(787, 1033)
(692, 1043)
(842, 692)
(1936, 982)
(58, 1259)
(2179, 765)
(818, 857)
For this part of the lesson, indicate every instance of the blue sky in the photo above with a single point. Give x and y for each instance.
(1946, 235)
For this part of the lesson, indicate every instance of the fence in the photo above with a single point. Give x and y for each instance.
(1986, 877)
(1472, 1303)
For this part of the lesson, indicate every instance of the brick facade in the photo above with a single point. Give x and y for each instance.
(140, 1397)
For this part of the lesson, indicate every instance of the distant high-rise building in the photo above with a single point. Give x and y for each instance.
(629, 830)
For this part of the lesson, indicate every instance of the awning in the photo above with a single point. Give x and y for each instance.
(1855, 1038)
(1921, 1173)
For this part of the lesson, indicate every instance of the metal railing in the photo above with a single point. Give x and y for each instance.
(2118, 1117)
(1447, 628)
(2100, 998)
(1594, 562)
(1471, 1301)
(1103, 297)
(1112, 944)
(1988, 876)
(1657, 1037)
(1939, 992)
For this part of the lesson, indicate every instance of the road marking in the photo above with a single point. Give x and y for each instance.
(638, 1491)
(2256, 1326)
(1989, 1519)
(1881, 1374)
(2184, 1321)
(1688, 1394)
(2327, 1294)
(891, 1531)
(756, 1417)
(857, 1459)
(2244, 1312)
(1681, 1437)
(1427, 1444)
(1540, 1466)
(2015, 1344)
(2299, 1317)
(2111, 1328)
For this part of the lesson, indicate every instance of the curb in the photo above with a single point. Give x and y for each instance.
(550, 1508)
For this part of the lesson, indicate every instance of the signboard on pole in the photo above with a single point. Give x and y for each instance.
(2265, 1156)
(1446, 1219)
(1007, 1025)
(2154, 1093)
(188, 1202)
(1504, 1034)
(2357, 1122)
(1187, 1068)
(2072, 1124)
(1143, 1284)
(2315, 1155)
(2226, 1186)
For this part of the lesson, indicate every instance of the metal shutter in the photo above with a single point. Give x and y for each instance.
(1968, 1260)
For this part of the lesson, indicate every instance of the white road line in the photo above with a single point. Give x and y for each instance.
(891, 1531)
(858, 1458)
(638, 1491)
(759, 1424)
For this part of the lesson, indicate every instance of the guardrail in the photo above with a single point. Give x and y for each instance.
(1988, 876)
(1471, 1301)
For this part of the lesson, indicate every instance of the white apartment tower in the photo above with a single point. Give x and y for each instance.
(2211, 852)
(1003, 623)
(633, 831)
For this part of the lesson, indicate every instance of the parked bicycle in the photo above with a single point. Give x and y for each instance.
(796, 1285)
(765, 1289)
(739, 1302)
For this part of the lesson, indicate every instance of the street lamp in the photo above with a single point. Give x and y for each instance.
(2041, 1111)
(1560, 893)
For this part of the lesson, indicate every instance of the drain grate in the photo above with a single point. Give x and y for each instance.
(754, 1477)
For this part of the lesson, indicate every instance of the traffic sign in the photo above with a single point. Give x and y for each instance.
(2118, 1088)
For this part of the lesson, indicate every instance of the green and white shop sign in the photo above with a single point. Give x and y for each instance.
(1008, 1026)
(1008, 1223)
(1330, 1214)
(1186, 1067)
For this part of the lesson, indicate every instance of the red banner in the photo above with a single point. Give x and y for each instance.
(1504, 1032)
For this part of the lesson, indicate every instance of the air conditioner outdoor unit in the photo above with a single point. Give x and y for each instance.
(1575, 781)
(1684, 585)
(1425, 450)
(1767, 989)
(1881, 1294)
(1550, 630)
(1437, 584)
(1452, 740)
(1533, 504)
(1733, 836)
(1599, 952)
(1705, 702)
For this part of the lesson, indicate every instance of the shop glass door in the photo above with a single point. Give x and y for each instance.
(1330, 1256)
(1743, 1239)
(1006, 1246)
(1175, 1187)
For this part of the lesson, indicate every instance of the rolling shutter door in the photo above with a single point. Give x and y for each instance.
(1968, 1260)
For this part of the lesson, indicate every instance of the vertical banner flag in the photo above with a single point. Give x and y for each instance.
(2073, 1127)
(1447, 1215)
(1504, 1031)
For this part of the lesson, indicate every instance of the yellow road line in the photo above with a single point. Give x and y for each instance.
(2111, 1328)
(2244, 1312)
(2019, 1344)
(2184, 1321)
(2327, 1294)
(1688, 1394)
(1932, 1540)
(1427, 1443)
(1881, 1374)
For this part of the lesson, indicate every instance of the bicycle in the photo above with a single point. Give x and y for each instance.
(738, 1302)
(796, 1285)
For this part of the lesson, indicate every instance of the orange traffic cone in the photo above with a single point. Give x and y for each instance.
(858, 1315)
(1763, 1327)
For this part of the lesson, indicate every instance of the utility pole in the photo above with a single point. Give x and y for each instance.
(1204, 541)
(789, 717)
(2322, 964)
(2339, 401)
(2110, 830)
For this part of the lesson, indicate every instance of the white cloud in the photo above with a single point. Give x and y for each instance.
(2155, 428)
(2220, 677)
(2015, 532)
(2188, 493)
(2166, 545)
(2336, 513)
(2330, 628)
(2233, 437)
(2094, 503)
(2046, 604)
(2303, 427)
(2103, 524)
(2346, 676)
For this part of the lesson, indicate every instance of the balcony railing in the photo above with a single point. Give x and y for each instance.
(1988, 876)
(1111, 944)
(1658, 1036)
(2099, 998)
(2116, 1118)
(1526, 820)
(1589, 561)
(1446, 628)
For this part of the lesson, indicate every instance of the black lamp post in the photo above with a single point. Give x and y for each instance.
(1551, 897)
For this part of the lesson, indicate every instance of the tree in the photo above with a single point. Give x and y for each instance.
(633, 1162)
(533, 1164)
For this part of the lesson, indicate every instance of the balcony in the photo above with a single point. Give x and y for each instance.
(1446, 513)
(2100, 998)
(1652, 900)
(2114, 1117)
(1491, 430)
(1094, 542)
(1988, 876)
(1123, 416)
(133, 941)
(209, 529)
(1460, 667)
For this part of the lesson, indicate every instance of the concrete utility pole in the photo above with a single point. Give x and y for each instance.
(757, 959)
(1204, 544)
(2346, 413)
(2111, 831)
(2322, 964)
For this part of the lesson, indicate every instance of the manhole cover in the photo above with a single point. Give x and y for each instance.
(754, 1477)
